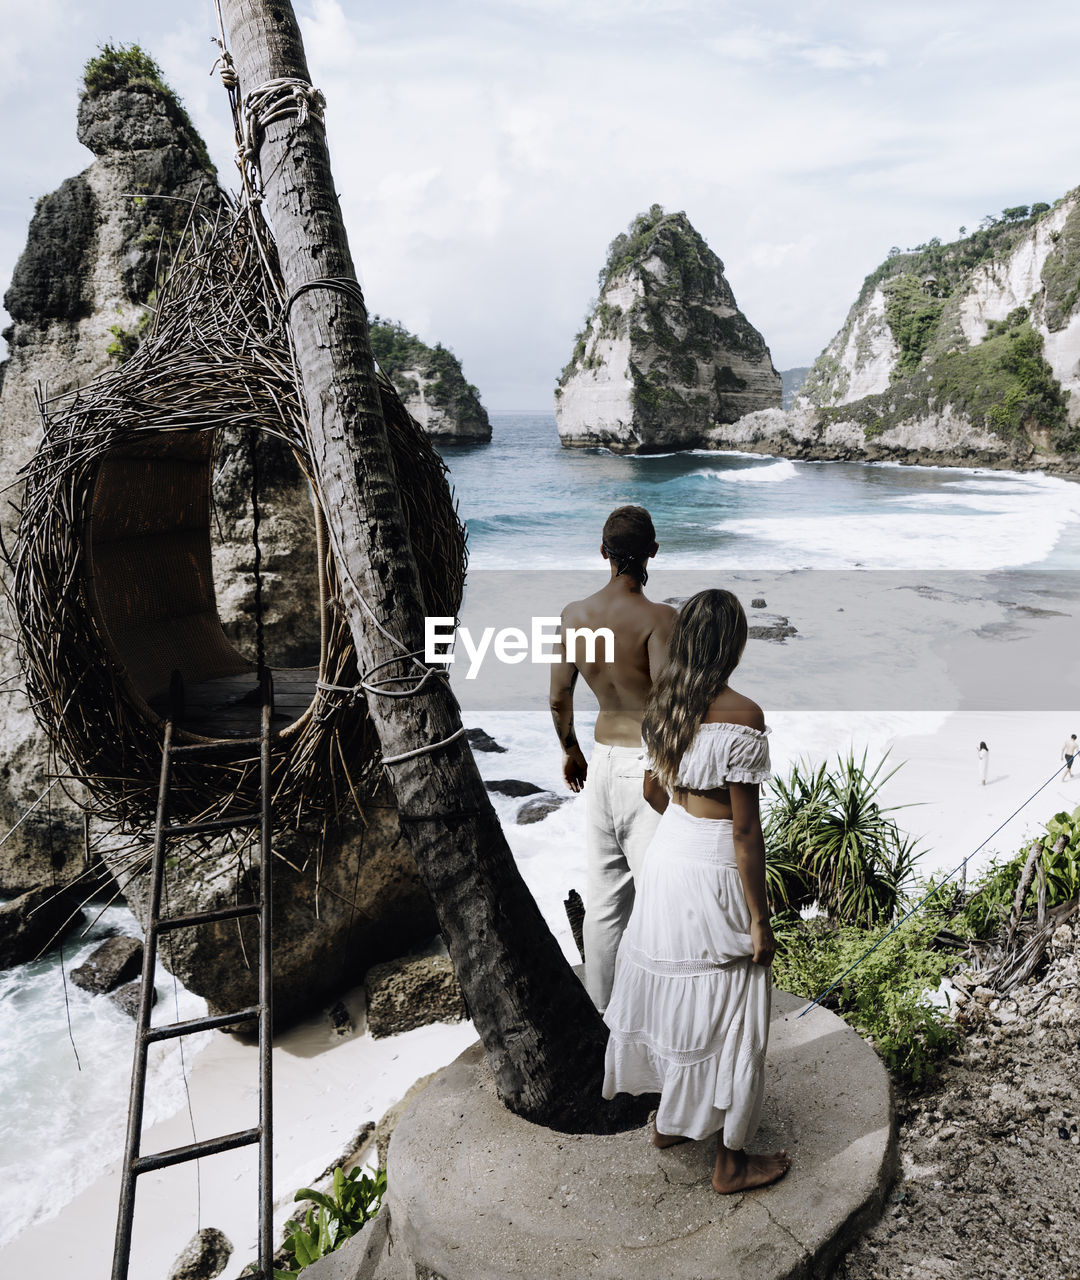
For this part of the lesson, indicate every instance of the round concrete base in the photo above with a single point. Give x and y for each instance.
(476, 1193)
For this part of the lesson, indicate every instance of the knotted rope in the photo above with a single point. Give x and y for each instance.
(278, 100)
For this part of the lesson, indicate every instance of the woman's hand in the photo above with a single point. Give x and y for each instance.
(653, 793)
(761, 936)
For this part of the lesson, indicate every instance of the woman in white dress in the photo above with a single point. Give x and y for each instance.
(689, 1012)
(984, 761)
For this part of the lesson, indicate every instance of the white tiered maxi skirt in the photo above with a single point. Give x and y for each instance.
(689, 1012)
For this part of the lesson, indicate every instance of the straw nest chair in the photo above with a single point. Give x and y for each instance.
(111, 574)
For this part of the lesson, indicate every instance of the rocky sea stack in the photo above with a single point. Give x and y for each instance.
(346, 893)
(665, 354)
(431, 383)
(77, 302)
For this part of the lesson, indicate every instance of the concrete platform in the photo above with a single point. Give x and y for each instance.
(476, 1193)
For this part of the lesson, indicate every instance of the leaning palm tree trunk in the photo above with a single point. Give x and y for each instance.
(543, 1038)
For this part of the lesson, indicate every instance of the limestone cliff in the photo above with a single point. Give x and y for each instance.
(76, 302)
(346, 894)
(431, 383)
(665, 354)
(965, 353)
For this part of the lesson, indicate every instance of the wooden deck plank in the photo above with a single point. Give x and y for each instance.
(215, 708)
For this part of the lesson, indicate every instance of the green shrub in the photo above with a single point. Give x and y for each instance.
(987, 908)
(1062, 869)
(886, 997)
(830, 841)
(913, 314)
(988, 905)
(122, 65)
(335, 1218)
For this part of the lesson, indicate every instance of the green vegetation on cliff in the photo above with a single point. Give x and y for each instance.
(123, 66)
(923, 286)
(1061, 273)
(1003, 384)
(127, 66)
(402, 355)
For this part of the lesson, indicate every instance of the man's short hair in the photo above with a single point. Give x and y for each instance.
(628, 539)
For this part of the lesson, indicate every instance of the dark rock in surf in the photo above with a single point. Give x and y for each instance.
(115, 962)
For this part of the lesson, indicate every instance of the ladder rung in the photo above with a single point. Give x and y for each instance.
(196, 1150)
(173, 1029)
(215, 824)
(226, 747)
(209, 917)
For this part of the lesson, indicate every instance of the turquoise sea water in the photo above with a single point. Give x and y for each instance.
(529, 503)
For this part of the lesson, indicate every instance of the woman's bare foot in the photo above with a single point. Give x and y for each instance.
(740, 1171)
(662, 1140)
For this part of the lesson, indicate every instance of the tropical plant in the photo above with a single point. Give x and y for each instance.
(991, 901)
(885, 994)
(988, 905)
(355, 1197)
(831, 841)
(117, 67)
(1062, 866)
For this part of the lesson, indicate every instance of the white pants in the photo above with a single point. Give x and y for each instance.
(619, 826)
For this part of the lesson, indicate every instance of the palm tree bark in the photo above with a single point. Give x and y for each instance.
(542, 1035)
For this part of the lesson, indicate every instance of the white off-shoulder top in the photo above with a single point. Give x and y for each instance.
(721, 753)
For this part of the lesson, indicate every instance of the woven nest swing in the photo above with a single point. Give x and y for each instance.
(112, 580)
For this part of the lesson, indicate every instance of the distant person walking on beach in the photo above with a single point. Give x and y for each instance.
(984, 760)
(619, 824)
(1069, 752)
(689, 1012)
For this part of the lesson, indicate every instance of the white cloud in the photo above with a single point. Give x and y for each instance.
(486, 152)
(834, 57)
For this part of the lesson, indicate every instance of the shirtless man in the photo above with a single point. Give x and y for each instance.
(1069, 752)
(619, 823)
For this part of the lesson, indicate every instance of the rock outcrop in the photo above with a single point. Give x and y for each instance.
(341, 902)
(31, 924)
(204, 1257)
(116, 962)
(412, 992)
(345, 896)
(77, 300)
(431, 383)
(665, 354)
(961, 354)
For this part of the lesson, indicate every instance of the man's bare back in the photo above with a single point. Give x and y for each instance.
(641, 628)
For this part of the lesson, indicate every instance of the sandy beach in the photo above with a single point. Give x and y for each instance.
(324, 1090)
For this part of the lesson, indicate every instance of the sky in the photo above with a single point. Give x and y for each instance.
(487, 153)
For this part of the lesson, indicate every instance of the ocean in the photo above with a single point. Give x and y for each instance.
(531, 504)
(936, 540)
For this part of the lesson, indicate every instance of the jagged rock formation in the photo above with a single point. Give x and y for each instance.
(342, 901)
(665, 354)
(965, 353)
(431, 383)
(345, 896)
(76, 302)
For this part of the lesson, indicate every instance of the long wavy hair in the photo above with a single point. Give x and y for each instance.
(706, 644)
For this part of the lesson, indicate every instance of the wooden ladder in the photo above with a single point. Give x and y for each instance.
(262, 1013)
